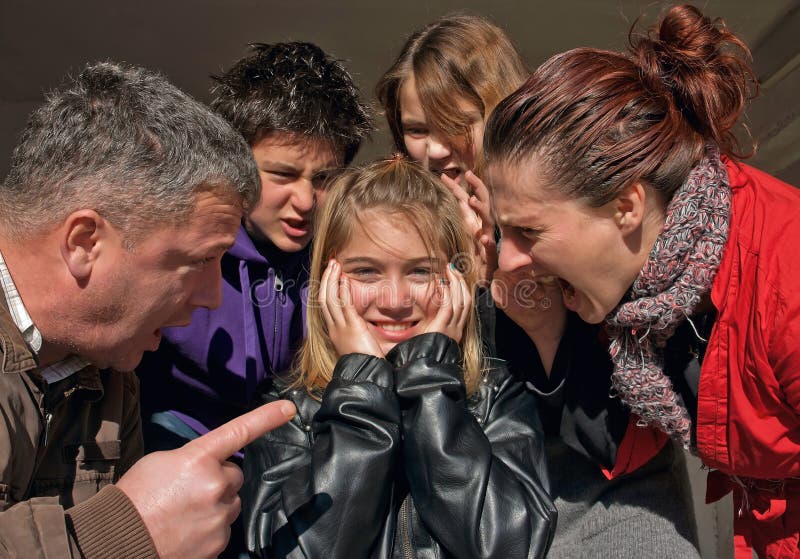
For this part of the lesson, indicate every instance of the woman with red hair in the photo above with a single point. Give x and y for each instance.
(619, 175)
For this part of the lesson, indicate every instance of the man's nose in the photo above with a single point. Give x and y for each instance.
(208, 288)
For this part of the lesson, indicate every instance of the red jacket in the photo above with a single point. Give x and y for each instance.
(748, 411)
(749, 395)
(748, 416)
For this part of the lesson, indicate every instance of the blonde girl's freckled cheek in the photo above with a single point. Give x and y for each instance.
(362, 294)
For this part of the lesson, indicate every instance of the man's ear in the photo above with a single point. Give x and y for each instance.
(629, 207)
(84, 233)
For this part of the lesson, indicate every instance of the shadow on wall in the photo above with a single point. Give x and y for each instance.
(714, 521)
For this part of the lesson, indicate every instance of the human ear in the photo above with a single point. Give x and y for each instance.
(629, 207)
(81, 242)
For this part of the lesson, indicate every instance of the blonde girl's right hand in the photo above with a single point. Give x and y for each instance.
(455, 302)
(348, 331)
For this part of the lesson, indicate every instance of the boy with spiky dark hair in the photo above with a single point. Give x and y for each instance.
(300, 111)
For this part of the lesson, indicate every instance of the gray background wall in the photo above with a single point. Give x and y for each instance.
(187, 40)
(41, 41)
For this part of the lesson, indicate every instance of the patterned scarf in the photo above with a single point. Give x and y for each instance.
(679, 271)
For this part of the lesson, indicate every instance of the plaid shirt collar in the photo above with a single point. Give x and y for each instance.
(52, 373)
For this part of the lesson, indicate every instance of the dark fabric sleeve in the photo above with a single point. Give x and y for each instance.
(330, 497)
(478, 493)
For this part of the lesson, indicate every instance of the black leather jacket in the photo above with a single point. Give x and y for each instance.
(396, 462)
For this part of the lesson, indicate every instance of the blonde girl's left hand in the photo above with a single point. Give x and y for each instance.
(476, 209)
(455, 302)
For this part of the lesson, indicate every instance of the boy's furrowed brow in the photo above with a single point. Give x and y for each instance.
(279, 165)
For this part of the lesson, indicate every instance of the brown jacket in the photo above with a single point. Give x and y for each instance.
(61, 448)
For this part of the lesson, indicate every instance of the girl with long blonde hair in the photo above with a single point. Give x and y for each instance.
(406, 437)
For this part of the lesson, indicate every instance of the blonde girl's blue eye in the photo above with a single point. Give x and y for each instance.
(421, 274)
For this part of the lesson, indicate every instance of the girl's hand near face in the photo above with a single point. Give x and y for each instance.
(476, 210)
(455, 302)
(348, 331)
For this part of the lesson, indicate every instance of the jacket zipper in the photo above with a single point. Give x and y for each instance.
(405, 520)
(278, 285)
(48, 417)
(44, 437)
(42, 450)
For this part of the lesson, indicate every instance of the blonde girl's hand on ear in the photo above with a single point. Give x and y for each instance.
(455, 302)
(348, 331)
(476, 209)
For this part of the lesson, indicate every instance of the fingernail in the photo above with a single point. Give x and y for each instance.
(452, 266)
(288, 409)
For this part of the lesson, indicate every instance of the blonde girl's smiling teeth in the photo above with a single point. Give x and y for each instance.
(394, 326)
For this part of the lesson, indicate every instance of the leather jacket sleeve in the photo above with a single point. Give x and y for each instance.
(329, 498)
(474, 481)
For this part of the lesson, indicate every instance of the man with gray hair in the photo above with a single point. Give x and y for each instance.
(123, 195)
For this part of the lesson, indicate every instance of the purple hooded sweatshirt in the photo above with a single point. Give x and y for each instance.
(207, 372)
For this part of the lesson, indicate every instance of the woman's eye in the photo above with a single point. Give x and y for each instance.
(529, 232)
(415, 132)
